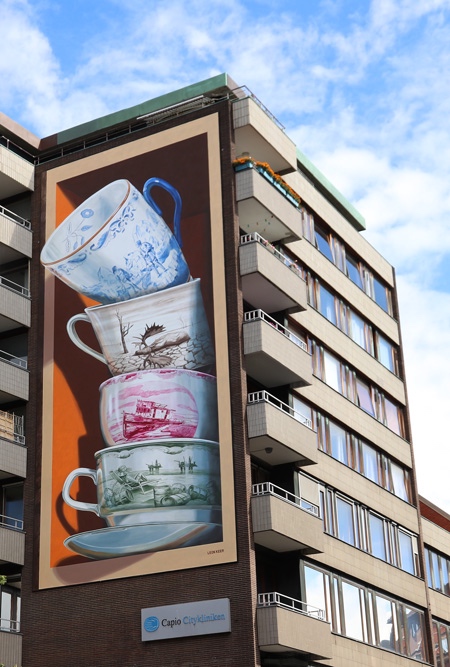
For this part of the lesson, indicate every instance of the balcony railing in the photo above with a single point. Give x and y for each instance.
(267, 488)
(260, 396)
(15, 361)
(15, 218)
(243, 92)
(14, 286)
(278, 600)
(11, 522)
(12, 427)
(9, 625)
(259, 314)
(14, 148)
(255, 237)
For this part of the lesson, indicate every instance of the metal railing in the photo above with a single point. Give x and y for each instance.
(12, 427)
(259, 314)
(14, 286)
(279, 600)
(255, 237)
(15, 218)
(14, 361)
(269, 489)
(9, 625)
(11, 522)
(264, 396)
(245, 93)
(15, 148)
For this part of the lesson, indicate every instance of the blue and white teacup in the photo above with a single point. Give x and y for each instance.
(116, 245)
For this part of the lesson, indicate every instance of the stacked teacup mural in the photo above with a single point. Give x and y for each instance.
(157, 473)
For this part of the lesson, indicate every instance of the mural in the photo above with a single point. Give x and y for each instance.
(136, 449)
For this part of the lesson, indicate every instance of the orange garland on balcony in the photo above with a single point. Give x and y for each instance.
(270, 171)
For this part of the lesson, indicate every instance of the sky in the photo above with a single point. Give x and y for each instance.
(361, 86)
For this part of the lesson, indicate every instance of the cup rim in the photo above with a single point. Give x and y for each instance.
(117, 379)
(159, 293)
(76, 211)
(166, 443)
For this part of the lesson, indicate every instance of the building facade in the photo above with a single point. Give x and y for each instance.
(271, 515)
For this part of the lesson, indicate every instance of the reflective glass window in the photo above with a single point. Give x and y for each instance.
(377, 539)
(353, 272)
(406, 552)
(364, 397)
(380, 294)
(346, 530)
(435, 571)
(315, 584)
(323, 244)
(414, 634)
(352, 611)
(385, 612)
(327, 305)
(370, 463)
(357, 330)
(398, 481)
(338, 442)
(392, 416)
(385, 353)
(332, 371)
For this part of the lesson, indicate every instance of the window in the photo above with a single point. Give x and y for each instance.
(380, 294)
(390, 625)
(406, 552)
(364, 397)
(370, 463)
(327, 305)
(332, 371)
(360, 527)
(12, 505)
(353, 272)
(353, 612)
(357, 330)
(9, 609)
(323, 244)
(377, 537)
(338, 442)
(385, 352)
(345, 526)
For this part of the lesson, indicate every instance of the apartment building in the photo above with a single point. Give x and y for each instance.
(17, 149)
(283, 529)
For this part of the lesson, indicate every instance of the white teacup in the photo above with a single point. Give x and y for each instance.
(158, 404)
(168, 481)
(116, 245)
(166, 329)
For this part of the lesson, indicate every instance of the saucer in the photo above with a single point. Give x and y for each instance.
(113, 542)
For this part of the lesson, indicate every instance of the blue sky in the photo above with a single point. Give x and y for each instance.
(362, 87)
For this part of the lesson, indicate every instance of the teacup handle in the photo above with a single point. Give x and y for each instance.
(176, 196)
(71, 330)
(77, 504)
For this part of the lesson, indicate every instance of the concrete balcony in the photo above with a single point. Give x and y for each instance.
(10, 647)
(13, 459)
(260, 135)
(273, 355)
(264, 209)
(285, 624)
(15, 305)
(277, 433)
(15, 236)
(12, 541)
(284, 522)
(269, 280)
(14, 378)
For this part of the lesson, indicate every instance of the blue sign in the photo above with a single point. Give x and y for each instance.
(151, 624)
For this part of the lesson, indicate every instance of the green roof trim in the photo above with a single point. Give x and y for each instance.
(163, 101)
(331, 193)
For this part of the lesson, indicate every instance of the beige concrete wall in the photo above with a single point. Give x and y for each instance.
(279, 627)
(16, 168)
(14, 235)
(15, 306)
(351, 653)
(13, 458)
(14, 380)
(12, 545)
